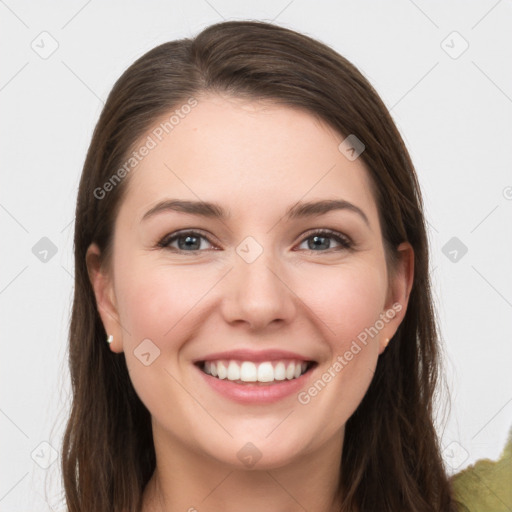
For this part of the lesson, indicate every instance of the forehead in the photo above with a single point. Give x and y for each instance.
(251, 156)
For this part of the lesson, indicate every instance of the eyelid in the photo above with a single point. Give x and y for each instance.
(344, 240)
(170, 237)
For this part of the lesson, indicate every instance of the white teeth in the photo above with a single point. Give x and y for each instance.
(247, 371)
(280, 371)
(233, 371)
(265, 372)
(222, 371)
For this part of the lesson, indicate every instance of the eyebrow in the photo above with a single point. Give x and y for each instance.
(215, 211)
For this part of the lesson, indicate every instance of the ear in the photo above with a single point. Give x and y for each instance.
(102, 284)
(399, 290)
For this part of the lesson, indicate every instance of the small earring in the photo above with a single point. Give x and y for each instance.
(110, 339)
(386, 342)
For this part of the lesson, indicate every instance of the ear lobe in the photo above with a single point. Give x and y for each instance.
(103, 288)
(400, 286)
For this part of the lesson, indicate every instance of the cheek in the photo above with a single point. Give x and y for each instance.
(155, 301)
(348, 300)
(349, 304)
(162, 302)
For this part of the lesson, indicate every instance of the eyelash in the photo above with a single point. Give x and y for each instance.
(343, 240)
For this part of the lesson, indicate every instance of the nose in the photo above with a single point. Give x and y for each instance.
(257, 293)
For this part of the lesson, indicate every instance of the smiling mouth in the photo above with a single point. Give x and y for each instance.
(261, 373)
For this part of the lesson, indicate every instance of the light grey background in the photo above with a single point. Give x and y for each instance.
(453, 106)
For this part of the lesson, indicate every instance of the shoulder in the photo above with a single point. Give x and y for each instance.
(486, 485)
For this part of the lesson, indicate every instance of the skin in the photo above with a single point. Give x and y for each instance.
(255, 159)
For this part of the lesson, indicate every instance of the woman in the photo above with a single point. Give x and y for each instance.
(250, 241)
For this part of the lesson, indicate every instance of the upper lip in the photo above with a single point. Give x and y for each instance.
(252, 355)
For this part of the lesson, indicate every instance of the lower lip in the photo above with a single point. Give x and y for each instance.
(253, 393)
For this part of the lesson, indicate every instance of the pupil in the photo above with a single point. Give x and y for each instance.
(188, 239)
(191, 242)
(316, 239)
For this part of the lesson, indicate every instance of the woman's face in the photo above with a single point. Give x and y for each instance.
(254, 286)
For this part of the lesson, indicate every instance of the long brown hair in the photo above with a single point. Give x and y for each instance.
(391, 456)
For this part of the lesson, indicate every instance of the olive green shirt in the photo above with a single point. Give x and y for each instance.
(486, 486)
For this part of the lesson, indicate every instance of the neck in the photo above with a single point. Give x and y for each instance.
(185, 480)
